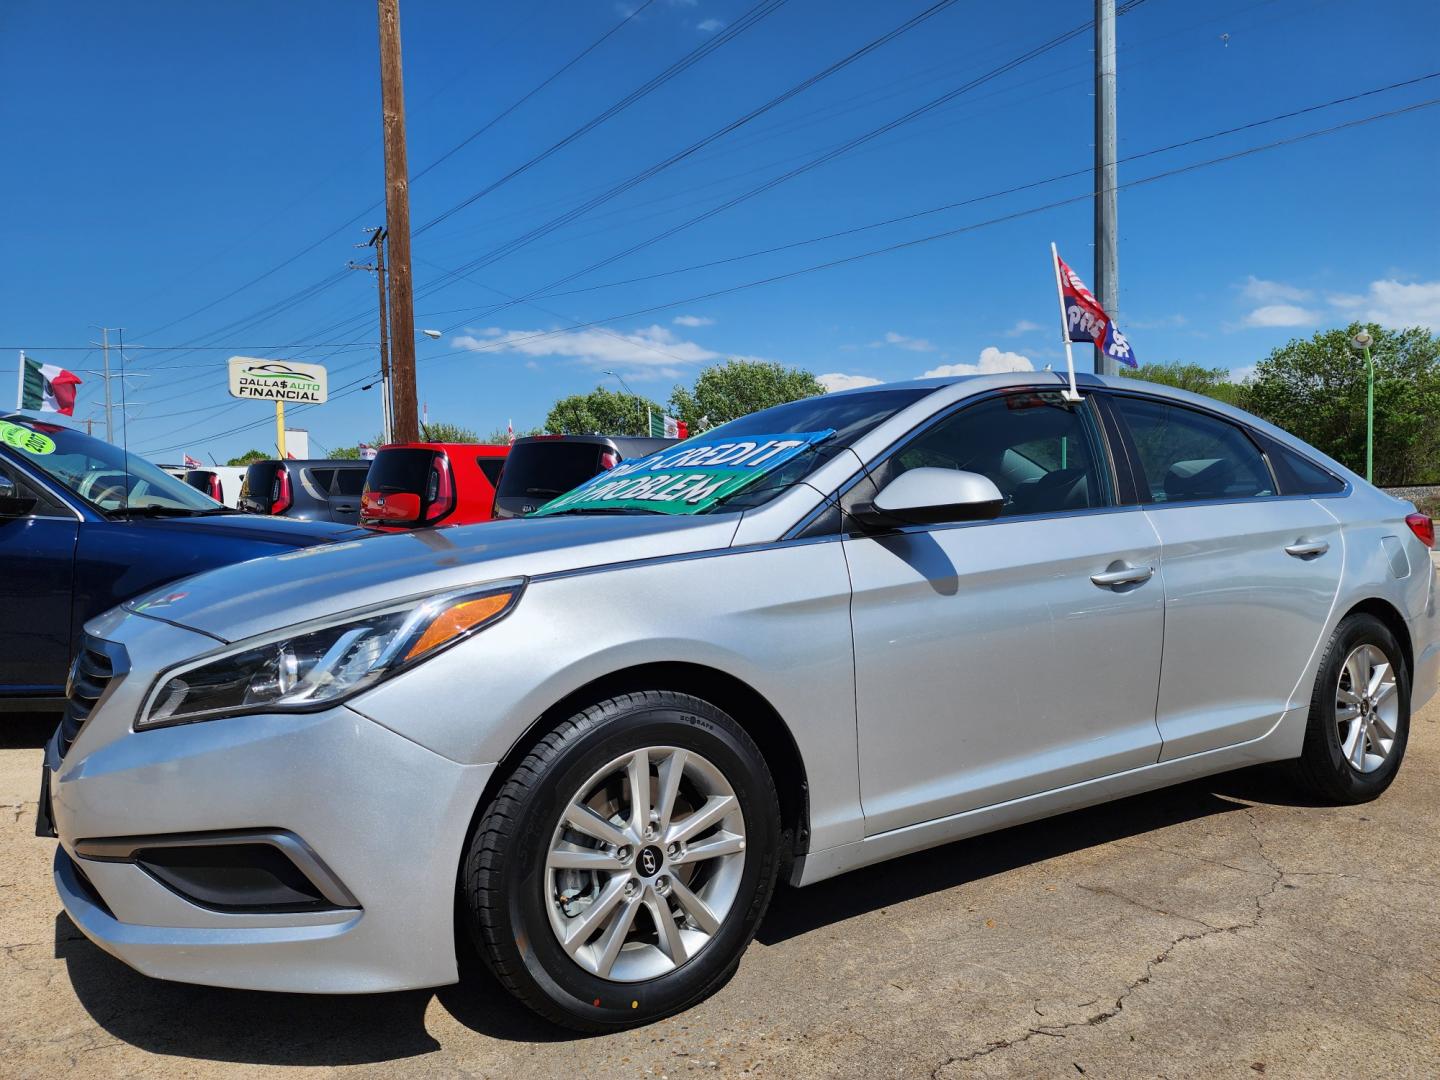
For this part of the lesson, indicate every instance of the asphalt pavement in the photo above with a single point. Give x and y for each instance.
(1226, 928)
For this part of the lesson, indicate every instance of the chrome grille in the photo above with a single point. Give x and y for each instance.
(89, 676)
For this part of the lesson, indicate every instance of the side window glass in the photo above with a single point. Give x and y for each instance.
(1298, 475)
(349, 481)
(1187, 456)
(490, 468)
(1043, 453)
(45, 506)
(322, 479)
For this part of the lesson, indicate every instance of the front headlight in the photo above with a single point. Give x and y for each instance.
(316, 664)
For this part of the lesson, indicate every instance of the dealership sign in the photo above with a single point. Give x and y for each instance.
(277, 380)
(688, 478)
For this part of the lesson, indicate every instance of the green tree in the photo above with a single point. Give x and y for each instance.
(1212, 382)
(601, 412)
(346, 453)
(737, 388)
(438, 432)
(249, 456)
(500, 436)
(1315, 388)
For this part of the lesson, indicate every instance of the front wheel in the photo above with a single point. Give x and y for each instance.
(1359, 714)
(623, 867)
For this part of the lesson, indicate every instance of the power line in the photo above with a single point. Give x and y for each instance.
(901, 246)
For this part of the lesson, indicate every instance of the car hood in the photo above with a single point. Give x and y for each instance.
(280, 531)
(267, 594)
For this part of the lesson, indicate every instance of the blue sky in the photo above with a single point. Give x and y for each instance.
(163, 155)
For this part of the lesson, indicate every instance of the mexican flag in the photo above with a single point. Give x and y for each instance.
(46, 388)
(667, 427)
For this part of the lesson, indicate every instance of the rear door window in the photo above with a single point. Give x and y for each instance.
(322, 478)
(1190, 456)
(348, 482)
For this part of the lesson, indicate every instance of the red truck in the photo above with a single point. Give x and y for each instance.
(423, 484)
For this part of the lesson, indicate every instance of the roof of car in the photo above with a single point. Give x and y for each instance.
(628, 445)
(359, 463)
(485, 449)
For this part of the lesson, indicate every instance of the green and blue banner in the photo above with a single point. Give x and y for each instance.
(688, 478)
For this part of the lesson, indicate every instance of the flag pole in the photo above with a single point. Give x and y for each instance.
(20, 384)
(1071, 394)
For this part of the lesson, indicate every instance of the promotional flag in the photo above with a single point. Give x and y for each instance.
(46, 387)
(1086, 320)
(192, 463)
(666, 427)
(367, 452)
(510, 432)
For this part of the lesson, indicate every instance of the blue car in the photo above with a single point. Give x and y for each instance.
(84, 527)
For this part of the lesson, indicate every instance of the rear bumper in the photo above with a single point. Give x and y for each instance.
(386, 816)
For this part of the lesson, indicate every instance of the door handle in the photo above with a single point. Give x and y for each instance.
(1123, 575)
(1308, 549)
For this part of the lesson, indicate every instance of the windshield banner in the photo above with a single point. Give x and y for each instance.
(688, 478)
(32, 442)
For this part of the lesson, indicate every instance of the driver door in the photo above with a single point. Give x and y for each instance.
(988, 664)
(37, 552)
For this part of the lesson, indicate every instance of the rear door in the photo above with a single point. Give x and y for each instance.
(1250, 575)
(37, 551)
(344, 497)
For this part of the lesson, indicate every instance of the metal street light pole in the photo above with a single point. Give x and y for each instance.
(645, 426)
(1362, 341)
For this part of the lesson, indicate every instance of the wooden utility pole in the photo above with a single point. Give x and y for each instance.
(404, 418)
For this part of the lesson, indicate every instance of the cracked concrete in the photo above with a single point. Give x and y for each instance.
(1218, 929)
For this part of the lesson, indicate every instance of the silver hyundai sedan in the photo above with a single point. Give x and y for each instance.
(587, 744)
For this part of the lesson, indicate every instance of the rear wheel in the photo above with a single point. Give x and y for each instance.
(1359, 714)
(622, 869)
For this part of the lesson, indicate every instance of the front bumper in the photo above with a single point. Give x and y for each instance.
(387, 817)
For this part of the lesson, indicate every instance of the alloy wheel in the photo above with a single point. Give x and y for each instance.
(1367, 708)
(645, 864)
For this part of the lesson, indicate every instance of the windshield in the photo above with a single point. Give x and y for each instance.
(101, 474)
(740, 464)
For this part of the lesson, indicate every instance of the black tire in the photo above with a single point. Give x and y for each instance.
(1322, 768)
(503, 885)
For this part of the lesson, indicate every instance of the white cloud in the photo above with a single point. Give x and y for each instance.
(709, 26)
(836, 381)
(991, 360)
(692, 320)
(1240, 374)
(1396, 304)
(1282, 315)
(1023, 326)
(900, 341)
(654, 350)
(1260, 291)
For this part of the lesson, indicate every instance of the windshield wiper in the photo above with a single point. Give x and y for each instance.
(169, 511)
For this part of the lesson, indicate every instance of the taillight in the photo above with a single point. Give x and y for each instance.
(280, 497)
(215, 492)
(439, 489)
(1423, 527)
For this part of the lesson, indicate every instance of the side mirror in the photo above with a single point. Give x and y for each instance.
(931, 497)
(12, 503)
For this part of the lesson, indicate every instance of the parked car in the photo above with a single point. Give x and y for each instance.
(825, 635)
(417, 485)
(540, 467)
(83, 527)
(311, 490)
(221, 482)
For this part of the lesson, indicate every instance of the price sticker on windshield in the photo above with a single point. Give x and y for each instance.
(687, 478)
(22, 438)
